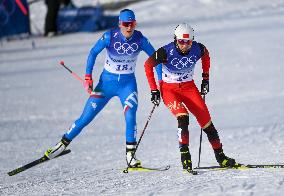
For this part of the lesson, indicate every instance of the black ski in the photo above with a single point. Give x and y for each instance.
(241, 166)
(145, 169)
(266, 166)
(34, 163)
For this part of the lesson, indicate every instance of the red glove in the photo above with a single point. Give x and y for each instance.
(88, 84)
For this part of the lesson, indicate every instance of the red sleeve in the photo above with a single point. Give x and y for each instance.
(205, 63)
(149, 64)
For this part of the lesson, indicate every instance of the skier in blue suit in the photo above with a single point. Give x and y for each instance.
(123, 45)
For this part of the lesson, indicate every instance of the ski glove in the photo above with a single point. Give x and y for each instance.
(156, 97)
(204, 87)
(88, 84)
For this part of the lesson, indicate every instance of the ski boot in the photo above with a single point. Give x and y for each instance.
(223, 160)
(57, 149)
(130, 156)
(185, 158)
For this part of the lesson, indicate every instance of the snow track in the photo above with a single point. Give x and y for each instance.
(39, 101)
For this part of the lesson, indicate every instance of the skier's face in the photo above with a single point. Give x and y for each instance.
(184, 45)
(127, 28)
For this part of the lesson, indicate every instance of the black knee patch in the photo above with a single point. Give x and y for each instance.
(184, 149)
(183, 134)
(211, 132)
(183, 121)
(131, 143)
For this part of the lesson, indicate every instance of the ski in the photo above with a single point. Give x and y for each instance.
(241, 166)
(34, 163)
(266, 166)
(146, 169)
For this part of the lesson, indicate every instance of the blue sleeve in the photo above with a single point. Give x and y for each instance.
(146, 46)
(159, 71)
(149, 49)
(99, 46)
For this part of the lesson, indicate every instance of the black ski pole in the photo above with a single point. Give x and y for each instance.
(147, 122)
(200, 140)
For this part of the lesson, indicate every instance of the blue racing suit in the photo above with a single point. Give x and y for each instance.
(117, 79)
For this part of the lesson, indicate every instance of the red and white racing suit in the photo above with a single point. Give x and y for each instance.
(177, 87)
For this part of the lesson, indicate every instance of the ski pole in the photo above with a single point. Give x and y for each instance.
(147, 122)
(73, 73)
(200, 140)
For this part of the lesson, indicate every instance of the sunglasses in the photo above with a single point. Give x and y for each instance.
(184, 41)
(128, 24)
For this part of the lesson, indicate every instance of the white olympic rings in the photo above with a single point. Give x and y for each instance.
(125, 48)
(184, 62)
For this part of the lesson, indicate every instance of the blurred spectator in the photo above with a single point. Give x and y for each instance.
(50, 27)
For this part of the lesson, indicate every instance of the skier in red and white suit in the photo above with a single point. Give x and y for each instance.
(179, 92)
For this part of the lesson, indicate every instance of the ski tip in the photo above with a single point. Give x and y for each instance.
(12, 173)
(15, 171)
(36, 162)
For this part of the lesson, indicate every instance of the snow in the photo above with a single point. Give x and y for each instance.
(40, 100)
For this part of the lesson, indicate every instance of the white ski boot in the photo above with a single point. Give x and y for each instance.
(57, 149)
(130, 156)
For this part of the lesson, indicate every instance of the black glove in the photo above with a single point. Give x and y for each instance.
(156, 97)
(204, 87)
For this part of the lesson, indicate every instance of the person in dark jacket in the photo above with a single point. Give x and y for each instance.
(50, 27)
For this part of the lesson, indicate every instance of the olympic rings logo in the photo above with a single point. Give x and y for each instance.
(184, 62)
(125, 48)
